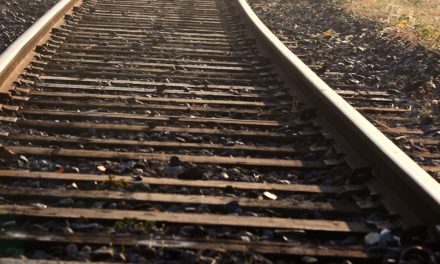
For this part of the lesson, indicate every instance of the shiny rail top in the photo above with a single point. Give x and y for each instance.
(165, 130)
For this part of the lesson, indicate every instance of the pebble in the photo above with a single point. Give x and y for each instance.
(270, 195)
(101, 168)
(194, 173)
(139, 186)
(98, 205)
(308, 259)
(173, 171)
(80, 204)
(23, 159)
(9, 224)
(86, 250)
(40, 254)
(387, 239)
(232, 206)
(268, 234)
(245, 238)
(193, 231)
(426, 120)
(38, 228)
(138, 171)
(72, 250)
(112, 206)
(85, 226)
(175, 161)
(203, 208)
(91, 131)
(224, 175)
(351, 240)
(121, 256)
(74, 169)
(102, 253)
(39, 205)
(174, 208)
(372, 238)
(68, 231)
(139, 165)
(291, 235)
(66, 202)
(82, 257)
(137, 177)
(136, 258)
(188, 257)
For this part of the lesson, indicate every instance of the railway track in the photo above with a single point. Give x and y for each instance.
(169, 131)
(394, 115)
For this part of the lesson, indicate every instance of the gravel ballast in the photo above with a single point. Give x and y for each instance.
(16, 16)
(348, 51)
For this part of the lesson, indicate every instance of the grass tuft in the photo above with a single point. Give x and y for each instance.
(415, 20)
(132, 224)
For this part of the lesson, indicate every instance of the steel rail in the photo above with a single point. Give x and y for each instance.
(391, 165)
(18, 55)
(28, 111)
(402, 183)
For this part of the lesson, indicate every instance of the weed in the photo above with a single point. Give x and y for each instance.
(415, 20)
(425, 112)
(112, 181)
(132, 224)
(425, 116)
(294, 4)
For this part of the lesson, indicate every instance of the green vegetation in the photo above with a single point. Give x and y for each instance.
(112, 181)
(425, 116)
(132, 224)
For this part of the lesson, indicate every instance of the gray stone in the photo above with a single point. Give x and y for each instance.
(112, 206)
(39, 205)
(68, 231)
(39, 254)
(138, 171)
(66, 201)
(72, 250)
(82, 256)
(103, 253)
(9, 224)
(224, 175)
(86, 226)
(86, 250)
(98, 205)
(372, 238)
(308, 259)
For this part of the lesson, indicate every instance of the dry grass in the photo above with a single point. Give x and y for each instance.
(416, 20)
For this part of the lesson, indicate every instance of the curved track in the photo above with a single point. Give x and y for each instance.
(170, 131)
